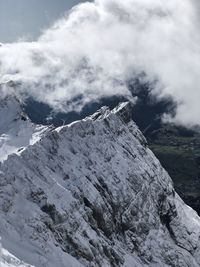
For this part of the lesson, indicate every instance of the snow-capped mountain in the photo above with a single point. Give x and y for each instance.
(90, 194)
(16, 130)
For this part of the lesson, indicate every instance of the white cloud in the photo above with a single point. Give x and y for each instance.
(99, 46)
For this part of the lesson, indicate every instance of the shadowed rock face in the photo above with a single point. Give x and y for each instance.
(93, 194)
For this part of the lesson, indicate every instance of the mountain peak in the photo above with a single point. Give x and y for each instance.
(123, 110)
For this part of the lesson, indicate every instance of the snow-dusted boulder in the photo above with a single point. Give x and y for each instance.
(93, 194)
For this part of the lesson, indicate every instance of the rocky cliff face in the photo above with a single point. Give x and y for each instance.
(93, 194)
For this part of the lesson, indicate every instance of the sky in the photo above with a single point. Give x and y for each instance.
(20, 19)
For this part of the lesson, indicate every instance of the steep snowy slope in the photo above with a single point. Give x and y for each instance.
(16, 130)
(8, 260)
(93, 194)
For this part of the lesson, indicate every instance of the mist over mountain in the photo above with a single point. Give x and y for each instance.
(148, 111)
(95, 50)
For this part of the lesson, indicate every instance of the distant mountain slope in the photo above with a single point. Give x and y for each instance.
(16, 130)
(93, 194)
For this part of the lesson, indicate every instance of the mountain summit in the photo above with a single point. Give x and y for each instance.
(92, 194)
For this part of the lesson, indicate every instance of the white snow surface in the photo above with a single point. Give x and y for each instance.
(16, 130)
(8, 260)
(90, 194)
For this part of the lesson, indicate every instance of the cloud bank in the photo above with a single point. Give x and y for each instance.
(98, 47)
